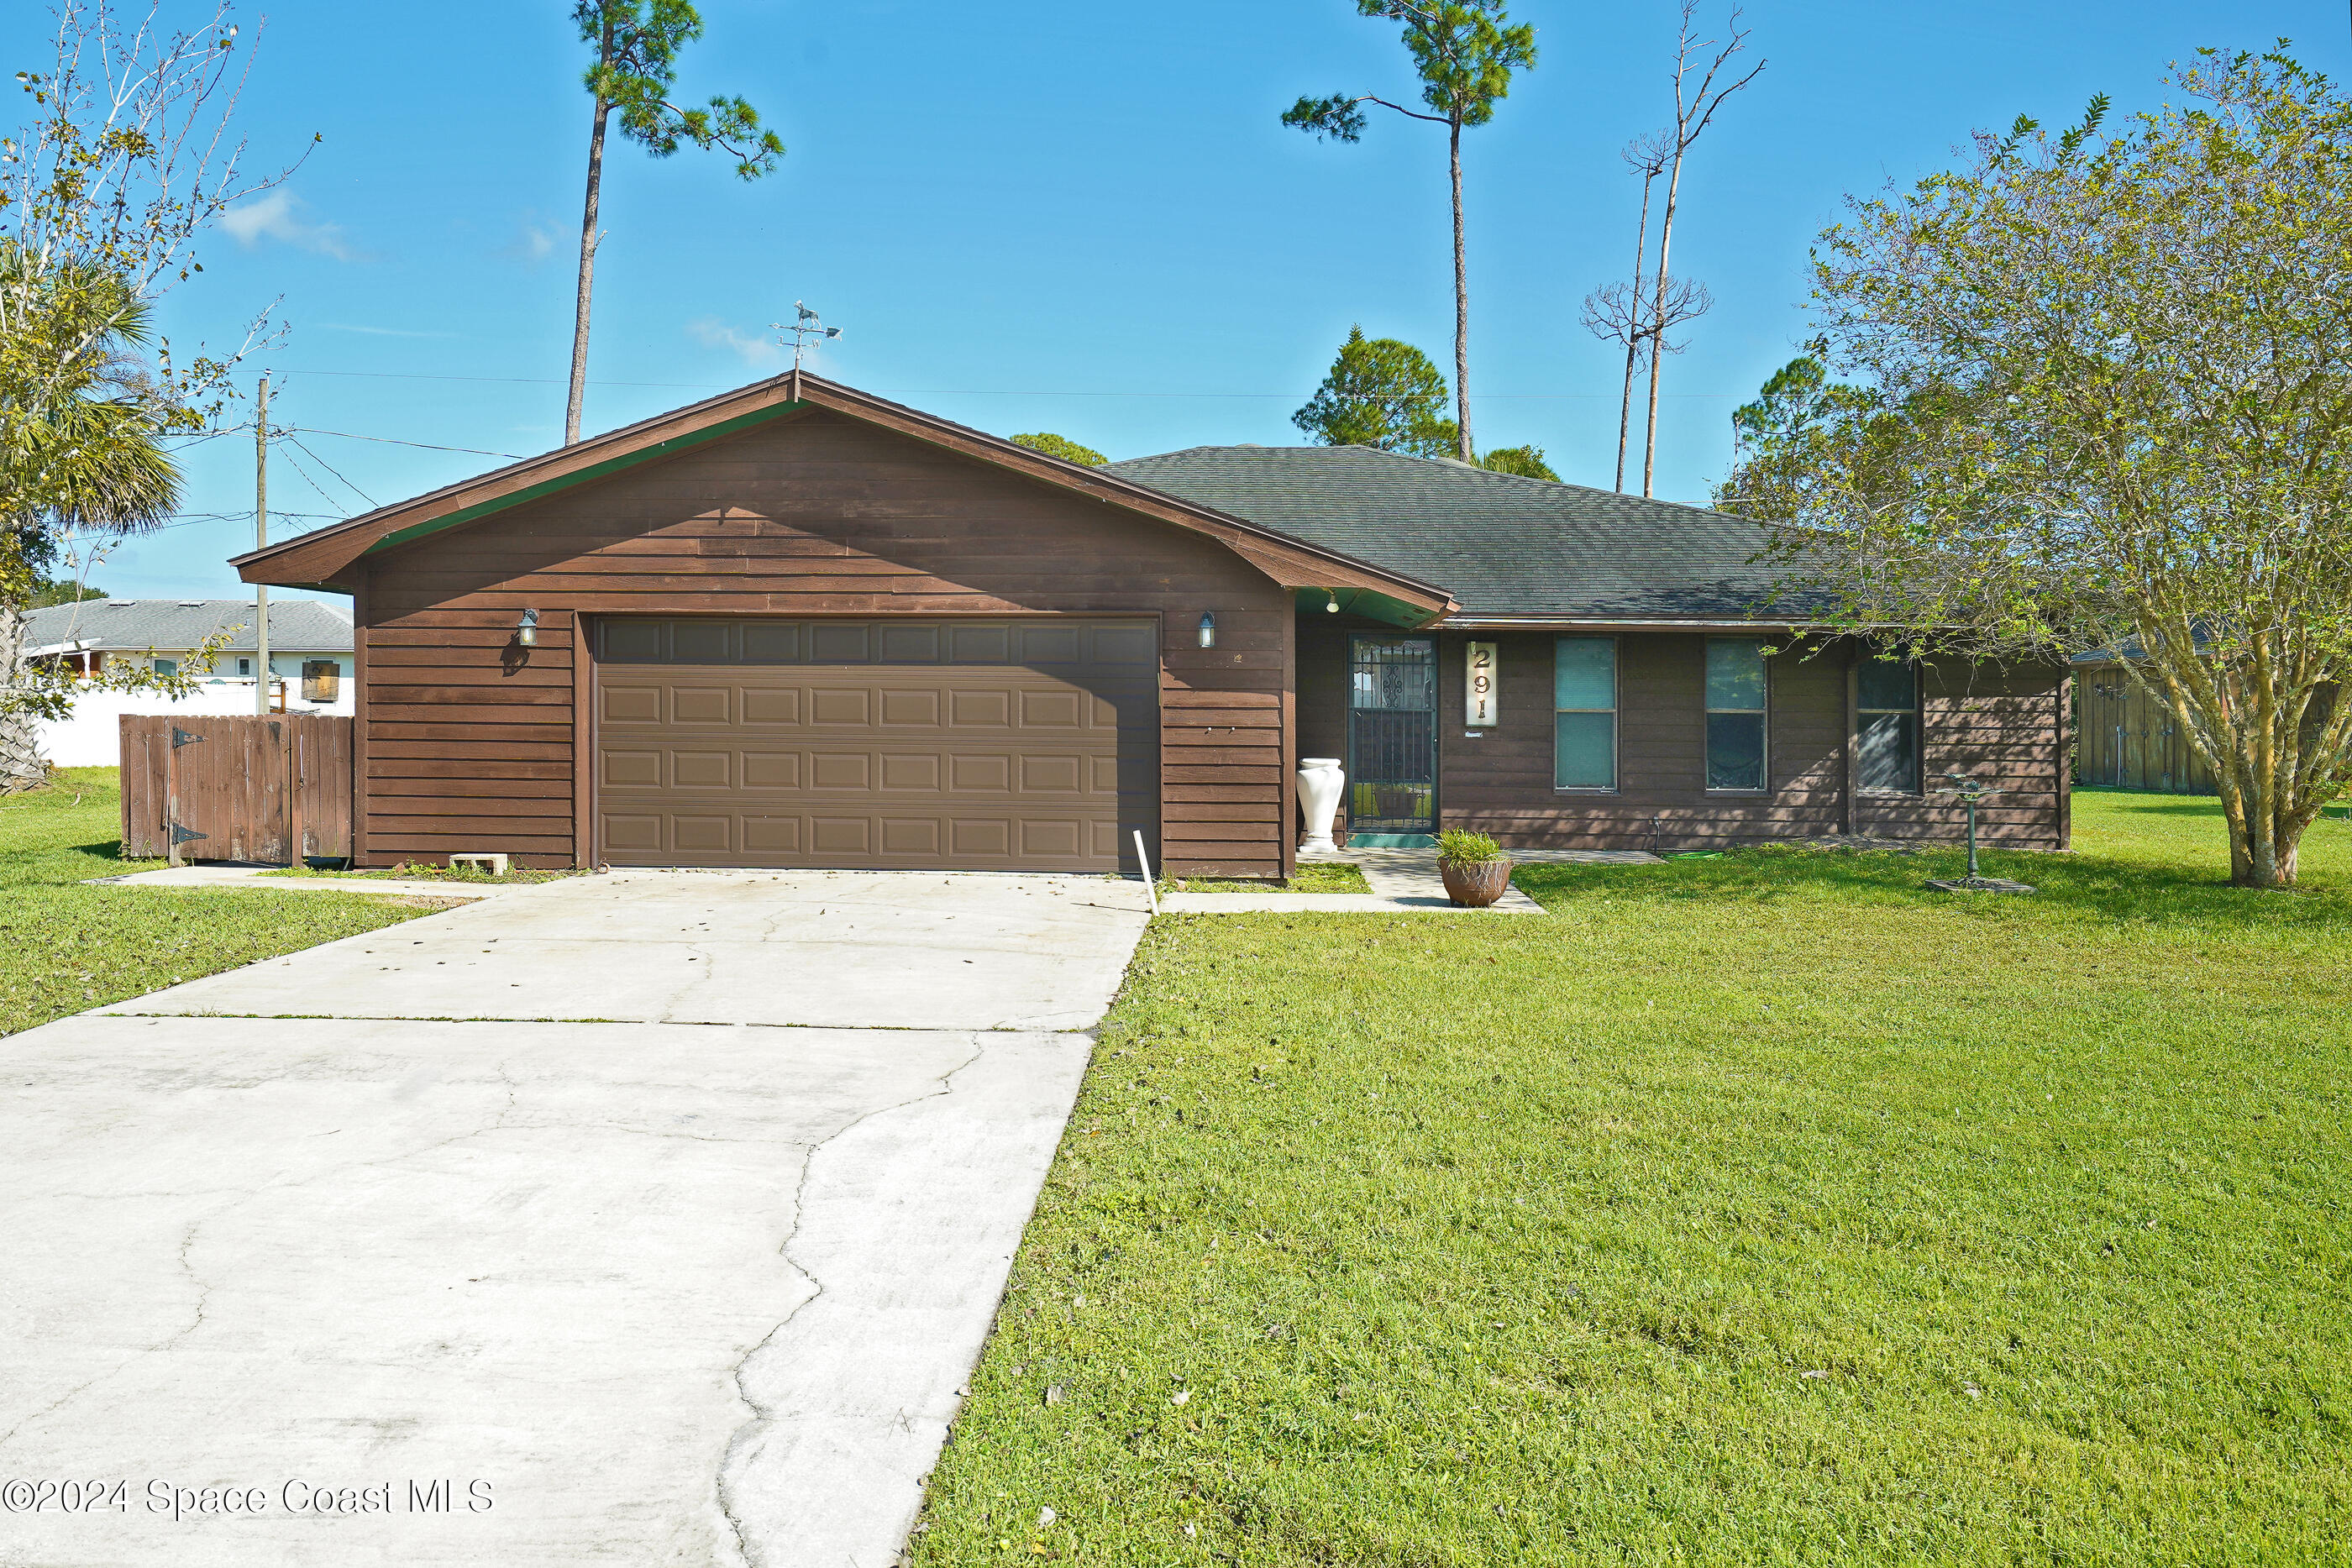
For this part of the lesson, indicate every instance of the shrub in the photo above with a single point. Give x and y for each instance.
(1456, 846)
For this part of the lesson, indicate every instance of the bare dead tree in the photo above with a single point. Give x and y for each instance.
(1634, 314)
(1693, 111)
(1614, 313)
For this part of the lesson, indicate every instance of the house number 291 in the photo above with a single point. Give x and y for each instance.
(1480, 703)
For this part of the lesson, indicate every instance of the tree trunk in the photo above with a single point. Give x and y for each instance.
(587, 274)
(21, 765)
(2246, 735)
(1461, 307)
(1632, 331)
(1658, 316)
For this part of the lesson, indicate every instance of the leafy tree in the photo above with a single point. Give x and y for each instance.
(49, 591)
(88, 456)
(124, 156)
(1465, 52)
(1795, 397)
(1061, 447)
(1527, 461)
(1384, 394)
(637, 44)
(2094, 388)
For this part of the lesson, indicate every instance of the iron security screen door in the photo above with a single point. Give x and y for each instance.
(1392, 734)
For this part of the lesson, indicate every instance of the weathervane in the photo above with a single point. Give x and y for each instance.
(805, 326)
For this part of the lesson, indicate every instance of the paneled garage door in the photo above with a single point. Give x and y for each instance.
(971, 745)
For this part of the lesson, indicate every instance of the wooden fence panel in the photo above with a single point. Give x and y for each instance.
(2128, 739)
(262, 789)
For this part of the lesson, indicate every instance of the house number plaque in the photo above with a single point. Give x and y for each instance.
(1480, 701)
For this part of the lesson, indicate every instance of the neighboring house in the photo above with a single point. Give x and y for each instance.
(797, 625)
(310, 661)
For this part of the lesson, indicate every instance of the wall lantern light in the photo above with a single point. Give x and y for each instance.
(1208, 630)
(526, 630)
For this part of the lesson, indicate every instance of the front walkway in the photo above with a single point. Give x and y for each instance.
(670, 1209)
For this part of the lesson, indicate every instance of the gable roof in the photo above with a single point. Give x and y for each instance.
(174, 625)
(326, 557)
(1505, 546)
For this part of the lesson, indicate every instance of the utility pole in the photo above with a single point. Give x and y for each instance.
(261, 541)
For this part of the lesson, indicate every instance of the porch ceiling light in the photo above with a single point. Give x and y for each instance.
(526, 630)
(1208, 630)
(1332, 608)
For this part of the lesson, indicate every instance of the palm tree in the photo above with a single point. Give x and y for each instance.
(80, 449)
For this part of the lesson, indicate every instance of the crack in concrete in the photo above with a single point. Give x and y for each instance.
(188, 1240)
(762, 1415)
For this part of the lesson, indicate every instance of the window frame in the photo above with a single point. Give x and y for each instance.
(1616, 706)
(1763, 712)
(1918, 712)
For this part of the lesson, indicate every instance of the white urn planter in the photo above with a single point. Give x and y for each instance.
(1321, 781)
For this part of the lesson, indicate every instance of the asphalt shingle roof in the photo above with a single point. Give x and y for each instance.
(170, 625)
(1500, 544)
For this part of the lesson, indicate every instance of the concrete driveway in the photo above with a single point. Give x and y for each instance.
(647, 1217)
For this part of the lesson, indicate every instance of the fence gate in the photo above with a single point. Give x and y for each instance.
(202, 788)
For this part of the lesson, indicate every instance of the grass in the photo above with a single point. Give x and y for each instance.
(1307, 876)
(1759, 1209)
(65, 948)
(409, 871)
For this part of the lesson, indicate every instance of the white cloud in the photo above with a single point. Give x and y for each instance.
(711, 332)
(534, 240)
(277, 217)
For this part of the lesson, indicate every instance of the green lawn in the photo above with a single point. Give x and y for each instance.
(1766, 1208)
(65, 948)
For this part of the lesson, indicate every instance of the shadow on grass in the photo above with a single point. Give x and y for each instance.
(2074, 885)
(2208, 806)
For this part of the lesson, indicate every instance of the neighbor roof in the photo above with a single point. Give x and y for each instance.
(1503, 546)
(174, 625)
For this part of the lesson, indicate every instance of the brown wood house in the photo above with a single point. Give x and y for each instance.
(797, 625)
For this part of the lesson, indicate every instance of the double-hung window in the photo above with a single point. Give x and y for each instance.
(1736, 738)
(1887, 725)
(1584, 712)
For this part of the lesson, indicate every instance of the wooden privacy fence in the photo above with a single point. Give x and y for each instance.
(201, 787)
(2126, 738)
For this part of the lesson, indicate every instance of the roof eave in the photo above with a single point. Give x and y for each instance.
(325, 559)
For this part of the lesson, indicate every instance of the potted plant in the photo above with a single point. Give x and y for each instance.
(1476, 869)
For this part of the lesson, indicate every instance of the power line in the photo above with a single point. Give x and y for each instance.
(396, 441)
(308, 477)
(940, 391)
(330, 468)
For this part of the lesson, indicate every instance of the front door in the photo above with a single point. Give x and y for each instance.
(1392, 735)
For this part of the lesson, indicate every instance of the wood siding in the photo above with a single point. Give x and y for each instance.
(2003, 726)
(470, 743)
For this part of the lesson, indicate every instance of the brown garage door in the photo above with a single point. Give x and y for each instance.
(974, 745)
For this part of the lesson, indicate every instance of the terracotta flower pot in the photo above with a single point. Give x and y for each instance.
(1475, 886)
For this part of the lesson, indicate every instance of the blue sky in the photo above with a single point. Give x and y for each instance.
(1083, 218)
